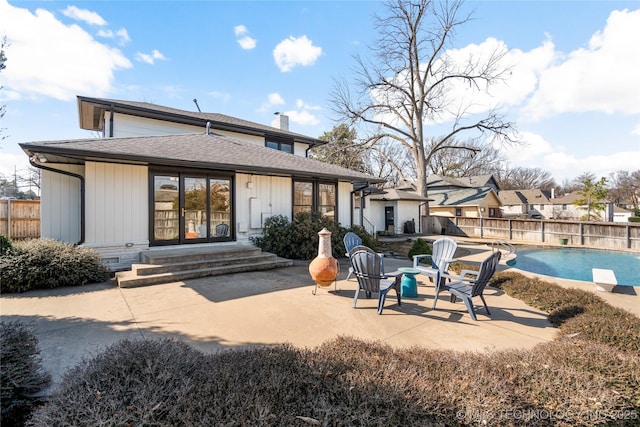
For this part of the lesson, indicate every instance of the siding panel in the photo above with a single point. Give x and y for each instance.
(117, 204)
(60, 205)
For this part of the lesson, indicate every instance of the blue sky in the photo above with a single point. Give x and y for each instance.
(575, 93)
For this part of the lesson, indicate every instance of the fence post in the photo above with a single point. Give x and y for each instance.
(510, 229)
(9, 219)
(542, 230)
(481, 228)
(628, 237)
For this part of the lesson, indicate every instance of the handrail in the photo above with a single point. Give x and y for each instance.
(368, 225)
(505, 246)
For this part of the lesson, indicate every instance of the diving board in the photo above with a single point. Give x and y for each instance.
(604, 279)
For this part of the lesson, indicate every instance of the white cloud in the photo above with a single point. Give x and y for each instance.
(247, 43)
(300, 104)
(122, 35)
(84, 15)
(293, 51)
(304, 118)
(601, 78)
(532, 146)
(567, 166)
(150, 58)
(42, 62)
(275, 99)
(563, 162)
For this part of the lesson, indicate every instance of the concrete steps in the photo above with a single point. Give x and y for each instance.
(177, 264)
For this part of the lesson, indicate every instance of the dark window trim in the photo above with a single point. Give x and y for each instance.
(163, 170)
(280, 141)
(315, 197)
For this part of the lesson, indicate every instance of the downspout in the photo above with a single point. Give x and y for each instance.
(111, 113)
(73, 175)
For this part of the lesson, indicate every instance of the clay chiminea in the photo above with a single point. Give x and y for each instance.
(324, 267)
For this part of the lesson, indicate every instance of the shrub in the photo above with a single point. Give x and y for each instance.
(575, 311)
(420, 247)
(5, 245)
(634, 219)
(347, 382)
(304, 235)
(39, 264)
(21, 370)
(299, 239)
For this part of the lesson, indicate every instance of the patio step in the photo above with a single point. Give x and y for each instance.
(174, 265)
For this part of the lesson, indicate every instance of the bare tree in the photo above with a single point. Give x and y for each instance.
(457, 163)
(624, 187)
(520, 178)
(407, 86)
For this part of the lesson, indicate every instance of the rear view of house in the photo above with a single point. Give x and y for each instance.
(161, 176)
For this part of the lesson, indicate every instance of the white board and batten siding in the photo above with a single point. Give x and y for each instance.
(344, 203)
(60, 204)
(129, 126)
(117, 212)
(257, 198)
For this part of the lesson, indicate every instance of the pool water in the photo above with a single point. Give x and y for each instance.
(576, 263)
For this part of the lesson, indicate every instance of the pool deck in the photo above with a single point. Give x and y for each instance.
(625, 297)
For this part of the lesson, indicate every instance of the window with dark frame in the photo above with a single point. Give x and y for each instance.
(315, 196)
(458, 211)
(280, 144)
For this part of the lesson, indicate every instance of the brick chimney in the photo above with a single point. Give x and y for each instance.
(280, 121)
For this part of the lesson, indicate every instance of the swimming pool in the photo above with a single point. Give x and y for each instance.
(576, 263)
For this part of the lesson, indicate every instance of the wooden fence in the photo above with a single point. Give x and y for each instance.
(605, 235)
(20, 219)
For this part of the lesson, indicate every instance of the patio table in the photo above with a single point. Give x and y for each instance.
(409, 285)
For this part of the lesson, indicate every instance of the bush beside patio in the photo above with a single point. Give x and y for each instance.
(46, 263)
(589, 375)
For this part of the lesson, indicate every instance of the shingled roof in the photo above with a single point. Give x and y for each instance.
(192, 150)
(521, 197)
(461, 197)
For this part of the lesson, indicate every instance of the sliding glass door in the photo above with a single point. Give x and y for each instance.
(191, 208)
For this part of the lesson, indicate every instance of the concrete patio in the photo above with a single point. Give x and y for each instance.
(270, 307)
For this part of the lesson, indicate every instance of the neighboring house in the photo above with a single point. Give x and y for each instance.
(163, 176)
(474, 196)
(525, 203)
(621, 214)
(465, 202)
(392, 210)
(437, 182)
(563, 207)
